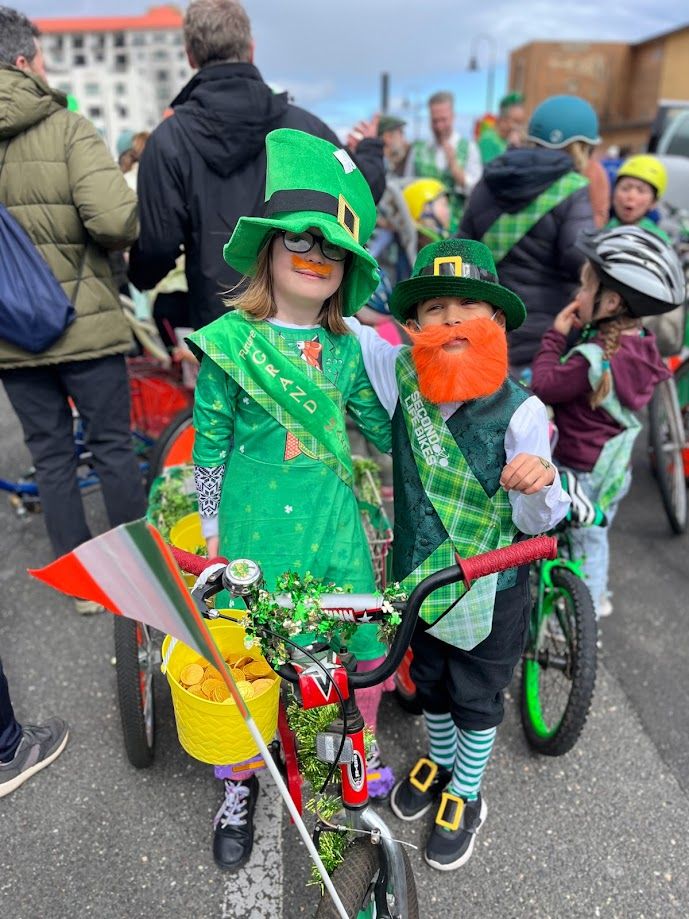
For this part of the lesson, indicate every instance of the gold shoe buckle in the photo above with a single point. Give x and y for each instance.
(453, 823)
(423, 784)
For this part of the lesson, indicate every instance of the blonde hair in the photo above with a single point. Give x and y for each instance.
(608, 337)
(580, 152)
(258, 302)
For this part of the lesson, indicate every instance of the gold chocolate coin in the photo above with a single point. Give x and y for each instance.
(191, 674)
(257, 669)
(261, 685)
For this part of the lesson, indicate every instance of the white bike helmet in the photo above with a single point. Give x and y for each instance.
(639, 265)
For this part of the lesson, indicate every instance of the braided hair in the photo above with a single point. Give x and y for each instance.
(609, 335)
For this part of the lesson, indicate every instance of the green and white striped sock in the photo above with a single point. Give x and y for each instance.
(442, 738)
(473, 752)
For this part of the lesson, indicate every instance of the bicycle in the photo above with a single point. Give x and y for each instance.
(667, 437)
(375, 876)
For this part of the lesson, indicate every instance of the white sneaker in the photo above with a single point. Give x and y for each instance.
(88, 607)
(604, 608)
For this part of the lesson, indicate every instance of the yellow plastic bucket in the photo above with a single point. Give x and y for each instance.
(186, 534)
(212, 731)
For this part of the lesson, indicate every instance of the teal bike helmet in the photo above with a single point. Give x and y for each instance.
(560, 120)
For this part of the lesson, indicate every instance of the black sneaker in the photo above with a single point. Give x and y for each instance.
(234, 824)
(39, 746)
(413, 796)
(454, 832)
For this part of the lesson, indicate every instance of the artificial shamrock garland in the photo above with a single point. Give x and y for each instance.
(273, 627)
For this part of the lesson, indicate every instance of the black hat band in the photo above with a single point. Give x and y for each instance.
(289, 200)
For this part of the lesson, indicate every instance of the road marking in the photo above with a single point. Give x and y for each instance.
(255, 892)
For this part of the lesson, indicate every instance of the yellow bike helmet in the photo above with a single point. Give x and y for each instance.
(420, 193)
(648, 169)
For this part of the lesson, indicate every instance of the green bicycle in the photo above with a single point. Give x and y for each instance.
(559, 665)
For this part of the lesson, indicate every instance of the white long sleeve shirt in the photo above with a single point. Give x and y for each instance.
(527, 432)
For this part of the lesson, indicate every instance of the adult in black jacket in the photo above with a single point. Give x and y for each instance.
(204, 167)
(542, 266)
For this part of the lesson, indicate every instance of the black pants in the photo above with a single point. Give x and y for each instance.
(470, 684)
(10, 730)
(100, 391)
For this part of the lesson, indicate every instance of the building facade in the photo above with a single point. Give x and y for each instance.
(123, 71)
(626, 83)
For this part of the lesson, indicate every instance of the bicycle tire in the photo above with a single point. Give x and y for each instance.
(354, 879)
(557, 736)
(666, 440)
(682, 386)
(165, 443)
(139, 741)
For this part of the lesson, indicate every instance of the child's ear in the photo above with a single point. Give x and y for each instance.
(500, 319)
(412, 325)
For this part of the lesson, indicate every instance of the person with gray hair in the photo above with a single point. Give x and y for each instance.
(60, 185)
(447, 156)
(204, 167)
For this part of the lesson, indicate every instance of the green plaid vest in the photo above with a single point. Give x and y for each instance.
(425, 167)
(422, 543)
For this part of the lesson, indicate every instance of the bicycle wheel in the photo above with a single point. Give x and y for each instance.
(173, 447)
(667, 439)
(355, 881)
(559, 666)
(137, 654)
(682, 385)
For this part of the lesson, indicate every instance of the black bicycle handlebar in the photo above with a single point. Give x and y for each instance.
(468, 570)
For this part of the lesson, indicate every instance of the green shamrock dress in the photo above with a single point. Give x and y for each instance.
(279, 506)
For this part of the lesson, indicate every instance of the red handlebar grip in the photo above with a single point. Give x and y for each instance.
(193, 564)
(519, 553)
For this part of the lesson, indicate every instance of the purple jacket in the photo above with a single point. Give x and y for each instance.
(583, 431)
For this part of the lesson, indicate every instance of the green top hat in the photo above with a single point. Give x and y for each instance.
(456, 268)
(312, 183)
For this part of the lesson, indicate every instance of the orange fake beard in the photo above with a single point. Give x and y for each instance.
(478, 370)
(300, 264)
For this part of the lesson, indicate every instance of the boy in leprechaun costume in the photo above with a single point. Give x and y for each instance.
(273, 465)
(471, 471)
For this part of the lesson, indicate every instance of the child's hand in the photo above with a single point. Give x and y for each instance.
(213, 545)
(527, 473)
(567, 318)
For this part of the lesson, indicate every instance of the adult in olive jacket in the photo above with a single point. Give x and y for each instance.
(204, 166)
(58, 181)
(533, 203)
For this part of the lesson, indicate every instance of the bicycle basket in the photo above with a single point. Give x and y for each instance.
(374, 520)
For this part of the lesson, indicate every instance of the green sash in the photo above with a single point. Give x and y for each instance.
(300, 397)
(469, 516)
(508, 229)
(611, 467)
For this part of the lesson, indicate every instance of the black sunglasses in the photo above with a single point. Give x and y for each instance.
(304, 242)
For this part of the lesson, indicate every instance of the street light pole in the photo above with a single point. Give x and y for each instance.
(473, 64)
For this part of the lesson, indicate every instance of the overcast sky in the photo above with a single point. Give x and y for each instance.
(330, 54)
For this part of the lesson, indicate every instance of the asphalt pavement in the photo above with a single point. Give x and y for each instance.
(599, 832)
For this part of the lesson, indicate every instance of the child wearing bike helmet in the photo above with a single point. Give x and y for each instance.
(597, 387)
(272, 460)
(471, 471)
(640, 182)
(429, 207)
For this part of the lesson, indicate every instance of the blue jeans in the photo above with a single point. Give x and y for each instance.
(10, 729)
(591, 543)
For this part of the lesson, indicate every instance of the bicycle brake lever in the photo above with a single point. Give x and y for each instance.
(208, 584)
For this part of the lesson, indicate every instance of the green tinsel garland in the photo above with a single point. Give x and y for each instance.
(306, 724)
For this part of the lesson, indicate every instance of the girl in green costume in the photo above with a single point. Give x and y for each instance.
(273, 465)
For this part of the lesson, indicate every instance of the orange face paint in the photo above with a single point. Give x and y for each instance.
(300, 264)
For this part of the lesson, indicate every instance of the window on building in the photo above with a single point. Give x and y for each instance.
(78, 41)
(120, 89)
(177, 38)
(79, 60)
(118, 39)
(139, 38)
(162, 76)
(91, 89)
(65, 88)
(94, 111)
(58, 43)
(99, 41)
(160, 55)
(99, 56)
(121, 62)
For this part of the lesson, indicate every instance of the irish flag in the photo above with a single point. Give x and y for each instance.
(131, 571)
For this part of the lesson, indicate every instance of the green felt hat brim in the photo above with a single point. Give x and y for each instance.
(251, 233)
(409, 293)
